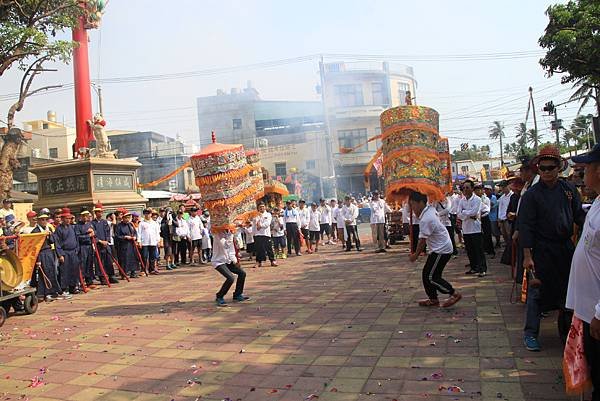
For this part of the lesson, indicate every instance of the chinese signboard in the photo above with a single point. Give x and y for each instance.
(64, 185)
(278, 151)
(113, 182)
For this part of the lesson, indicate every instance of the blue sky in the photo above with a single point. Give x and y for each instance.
(142, 37)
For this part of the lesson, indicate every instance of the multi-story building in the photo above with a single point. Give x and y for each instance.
(49, 139)
(290, 135)
(158, 154)
(472, 168)
(355, 95)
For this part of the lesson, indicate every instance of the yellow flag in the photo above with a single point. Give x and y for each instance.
(29, 248)
(504, 172)
(483, 174)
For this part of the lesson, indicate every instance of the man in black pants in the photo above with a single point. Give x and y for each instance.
(433, 233)
(291, 218)
(225, 262)
(469, 210)
(350, 213)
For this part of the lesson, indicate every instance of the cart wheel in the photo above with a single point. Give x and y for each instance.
(2, 316)
(31, 304)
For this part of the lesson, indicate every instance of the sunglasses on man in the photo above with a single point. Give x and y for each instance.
(547, 168)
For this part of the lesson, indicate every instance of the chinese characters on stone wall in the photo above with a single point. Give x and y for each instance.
(65, 185)
(113, 182)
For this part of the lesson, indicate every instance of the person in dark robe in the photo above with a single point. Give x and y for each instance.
(104, 238)
(546, 216)
(46, 277)
(516, 185)
(84, 231)
(127, 235)
(69, 261)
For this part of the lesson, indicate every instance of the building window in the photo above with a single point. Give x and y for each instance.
(464, 169)
(280, 169)
(348, 95)
(352, 138)
(379, 94)
(237, 123)
(311, 164)
(403, 89)
(53, 153)
(44, 125)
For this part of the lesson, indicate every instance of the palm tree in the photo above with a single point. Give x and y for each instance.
(586, 91)
(533, 137)
(580, 129)
(522, 136)
(568, 135)
(497, 132)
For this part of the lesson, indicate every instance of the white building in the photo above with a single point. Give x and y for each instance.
(355, 95)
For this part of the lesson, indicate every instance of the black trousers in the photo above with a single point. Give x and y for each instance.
(352, 233)
(228, 271)
(451, 233)
(486, 228)
(415, 237)
(474, 246)
(591, 348)
(293, 237)
(432, 275)
(263, 248)
(181, 251)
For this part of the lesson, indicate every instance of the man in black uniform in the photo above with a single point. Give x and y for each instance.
(48, 287)
(103, 237)
(547, 213)
(68, 259)
(85, 231)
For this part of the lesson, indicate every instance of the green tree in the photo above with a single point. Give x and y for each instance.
(580, 129)
(522, 135)
(28, 30)
(533, 138)
(573, 44)
(497, 132)
(568, 136)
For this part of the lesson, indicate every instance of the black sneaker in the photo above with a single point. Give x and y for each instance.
(113, 280)
(471, 272)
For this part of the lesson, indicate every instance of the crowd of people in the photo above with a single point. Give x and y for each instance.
(544, 226)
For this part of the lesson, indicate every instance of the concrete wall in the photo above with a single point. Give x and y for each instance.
(47, 135)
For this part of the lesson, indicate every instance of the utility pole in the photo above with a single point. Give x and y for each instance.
(100, 105)
(556, 124)
(535, 127)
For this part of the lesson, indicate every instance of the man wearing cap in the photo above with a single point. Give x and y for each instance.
(334, 212)
(325, 222)
(32, 219)
(104, 240)
(85, 232)
(149, 239)
(378, 210)
(291, 219)
(6, 209)
(583, 293)
(546, 216)
(66, 238)
(350, 214)
(127, 236)
(48, 287)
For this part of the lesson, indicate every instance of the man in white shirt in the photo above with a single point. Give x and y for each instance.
(378, 210)
(486, 224)
(291, 218)
(196, 229)
(349, 214)
(304, 216)
(433, 234)
(443, 209)
(503, 221)
(339, 219)
(325, 222)
(225, 262)
(32, 219)
(6, 209)
(149, 238)
(469, 209)
(262, 236)
(334, 211)
(182, 235)
(583, 293)
(314, 227)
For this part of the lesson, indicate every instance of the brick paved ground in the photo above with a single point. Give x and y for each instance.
(333, 326)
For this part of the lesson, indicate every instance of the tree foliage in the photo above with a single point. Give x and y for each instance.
(474, 153)
(573, 41)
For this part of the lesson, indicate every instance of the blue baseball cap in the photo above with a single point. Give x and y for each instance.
(589, 157)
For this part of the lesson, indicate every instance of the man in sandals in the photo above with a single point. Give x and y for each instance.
(434, 235)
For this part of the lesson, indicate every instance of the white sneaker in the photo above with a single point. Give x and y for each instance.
(66, 295)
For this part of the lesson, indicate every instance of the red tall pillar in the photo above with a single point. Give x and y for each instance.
(83, 95)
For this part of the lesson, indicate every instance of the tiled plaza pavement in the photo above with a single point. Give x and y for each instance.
(333, 326)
